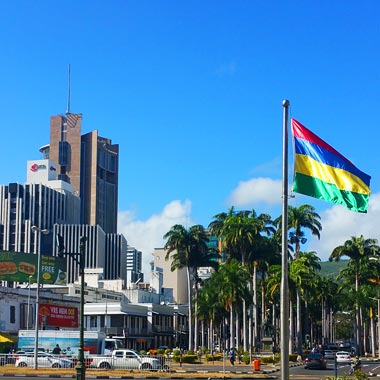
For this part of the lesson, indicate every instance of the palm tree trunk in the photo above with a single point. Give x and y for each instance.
(250, 324)
(291, 327)
(299, 324)
(244, 332)
(203, 343)
(189, 309)
(373, 344)
(211, 343)
(196, 321)
(237, 332)
(263, 308)
(358, 325)
(311, 332)
(255, 319)
(244, 315)
(232, 335)
(274, 323)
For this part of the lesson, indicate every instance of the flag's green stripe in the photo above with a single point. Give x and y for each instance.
(343, 179)
(316, 188)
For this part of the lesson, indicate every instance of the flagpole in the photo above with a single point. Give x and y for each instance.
(284, 344)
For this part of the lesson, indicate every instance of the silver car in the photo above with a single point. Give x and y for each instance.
(45, 360)
(330, 354)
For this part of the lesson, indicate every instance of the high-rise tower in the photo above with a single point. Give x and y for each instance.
(90, 163)
(99, 181)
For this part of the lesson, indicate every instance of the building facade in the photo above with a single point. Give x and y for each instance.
(134, 266)
(177, 280)
(90, 163)
(34, 204)
(107, 251)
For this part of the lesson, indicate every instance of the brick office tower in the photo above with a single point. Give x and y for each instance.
(90, 163)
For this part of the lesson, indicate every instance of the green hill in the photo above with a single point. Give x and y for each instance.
(332, 269)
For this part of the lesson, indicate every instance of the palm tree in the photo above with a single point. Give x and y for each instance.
(356, 249)
(191, 252)
(231, 280)
(325, 299)
(300, 219)
(303, 272)
(211, 309)
(238, 233)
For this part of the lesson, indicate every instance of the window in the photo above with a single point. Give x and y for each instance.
(12, 316)
(93, 321)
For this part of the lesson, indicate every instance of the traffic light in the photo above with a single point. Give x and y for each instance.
(60, 246)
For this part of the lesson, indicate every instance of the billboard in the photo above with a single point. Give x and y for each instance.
(18, 266)
(68, 340)
(58, 316)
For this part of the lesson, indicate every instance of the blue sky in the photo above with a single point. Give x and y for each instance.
(192, 92)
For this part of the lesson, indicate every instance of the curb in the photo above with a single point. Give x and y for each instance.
(139, 377)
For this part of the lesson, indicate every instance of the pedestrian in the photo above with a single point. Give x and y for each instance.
(57, 350)
(232, 357)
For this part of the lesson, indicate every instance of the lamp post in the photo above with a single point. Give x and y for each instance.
(284, 290)
(27, 314)
(81, 367)
(36, 230)
(79, 258)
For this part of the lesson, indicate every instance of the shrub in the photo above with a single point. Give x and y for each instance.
(357, 375)
(246, 358)
(189, 359)
(266, 359)
(215, 358)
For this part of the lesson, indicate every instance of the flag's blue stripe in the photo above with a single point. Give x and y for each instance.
(326, 157)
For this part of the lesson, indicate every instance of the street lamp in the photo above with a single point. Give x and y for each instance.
(37, 250)
(80, 368)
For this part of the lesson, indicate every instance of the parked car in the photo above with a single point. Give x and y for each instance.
(126, 359)
(330, 354)
(45, 360)
(343, 357)
(315, 361)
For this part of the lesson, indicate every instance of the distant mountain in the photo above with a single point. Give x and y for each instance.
(332, 269)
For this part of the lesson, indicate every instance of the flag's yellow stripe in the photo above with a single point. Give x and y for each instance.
(341, 178)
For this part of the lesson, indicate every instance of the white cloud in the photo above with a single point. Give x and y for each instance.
(147, 235)
(340, 224)
(256, 191)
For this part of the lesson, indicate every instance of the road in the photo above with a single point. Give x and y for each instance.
(296, 372)
(370, 367)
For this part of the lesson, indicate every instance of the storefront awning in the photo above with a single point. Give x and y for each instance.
(7, 338)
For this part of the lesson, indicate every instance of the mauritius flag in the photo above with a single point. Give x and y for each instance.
(322, 172)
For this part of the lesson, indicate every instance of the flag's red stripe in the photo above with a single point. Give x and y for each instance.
(302, 132)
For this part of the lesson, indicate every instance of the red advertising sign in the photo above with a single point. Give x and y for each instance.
(58, 316)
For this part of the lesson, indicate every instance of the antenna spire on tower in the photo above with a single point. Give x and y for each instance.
(68, 95)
